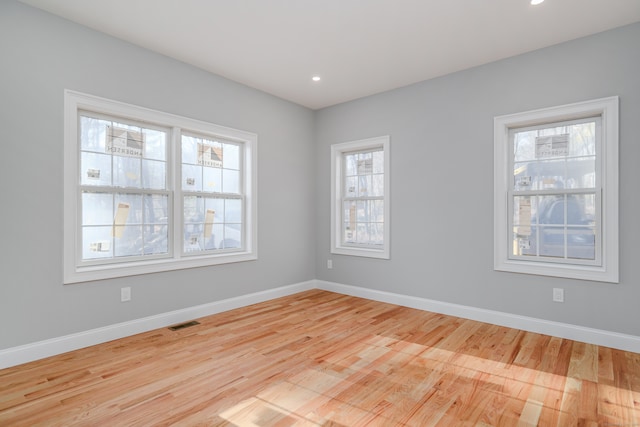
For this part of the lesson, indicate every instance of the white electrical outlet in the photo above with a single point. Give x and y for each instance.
(125, 294)
(329, 264)
(558, 295)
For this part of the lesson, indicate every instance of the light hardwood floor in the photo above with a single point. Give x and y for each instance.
(324, 359)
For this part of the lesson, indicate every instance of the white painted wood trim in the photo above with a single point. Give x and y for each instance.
(530, 324)
(39, 350)
(29, 352)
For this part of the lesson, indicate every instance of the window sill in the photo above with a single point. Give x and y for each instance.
(568, 271)
(361, 252)
(101, 272)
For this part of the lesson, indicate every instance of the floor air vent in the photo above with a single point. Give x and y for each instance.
(183, 325)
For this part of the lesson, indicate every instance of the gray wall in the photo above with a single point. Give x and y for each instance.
(442, 181)
(40, 56)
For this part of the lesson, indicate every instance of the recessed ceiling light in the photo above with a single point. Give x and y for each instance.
(535, 2)
(315, 78)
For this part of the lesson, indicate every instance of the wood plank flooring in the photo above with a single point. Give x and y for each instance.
(324, 359)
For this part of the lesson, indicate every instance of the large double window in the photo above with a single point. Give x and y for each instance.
(148, 191)
(556, 191)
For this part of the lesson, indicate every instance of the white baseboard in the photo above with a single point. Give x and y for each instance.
(39, 350)
(51, 347)
(531, 324)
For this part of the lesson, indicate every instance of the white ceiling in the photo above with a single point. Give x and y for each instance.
(358, 47)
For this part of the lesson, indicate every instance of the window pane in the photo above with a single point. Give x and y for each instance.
(232, 236)
(362, 211)
(364, 186)
(92, 134)
(193, 223)
(193, 209)
(581, 243)
(212, 180)
(378, 162)
(576, 209)
(97, 209)
(156, 209)
(377, 233)
(231, 156)
(230, 181)
(349, 232)
(524, 146)
(581, 209)
(128, 209)
(551, 241)
(523, 244)
(217, 206)
(551, 210)
(362, 233)
(550, 175)
(351, 162)
(189, 150)
(126, 172)
(583, 139)
(233, 211)
(97, 242)
(349, 219)
(524, 209)
(128, 240)
(209, 153)
(581, 173)
(216, 238)
(156, 239)
(155, 146)
(95, 169)
(524, 225)
(153, 176)
(377, 211)
(522, 174)
(351, 186)
(191, 178)
(365, 163)
(377, 187)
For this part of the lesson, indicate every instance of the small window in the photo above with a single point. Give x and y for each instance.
(556, 191)
(147, 191)
(360, 198)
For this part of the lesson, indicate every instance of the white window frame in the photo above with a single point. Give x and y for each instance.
(337, 196)
(75, 270)
(604, 269)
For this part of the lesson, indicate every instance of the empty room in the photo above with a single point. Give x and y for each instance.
(338, 213)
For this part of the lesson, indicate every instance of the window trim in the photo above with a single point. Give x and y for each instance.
(607, 270)
(74, 103)
(337, 167)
